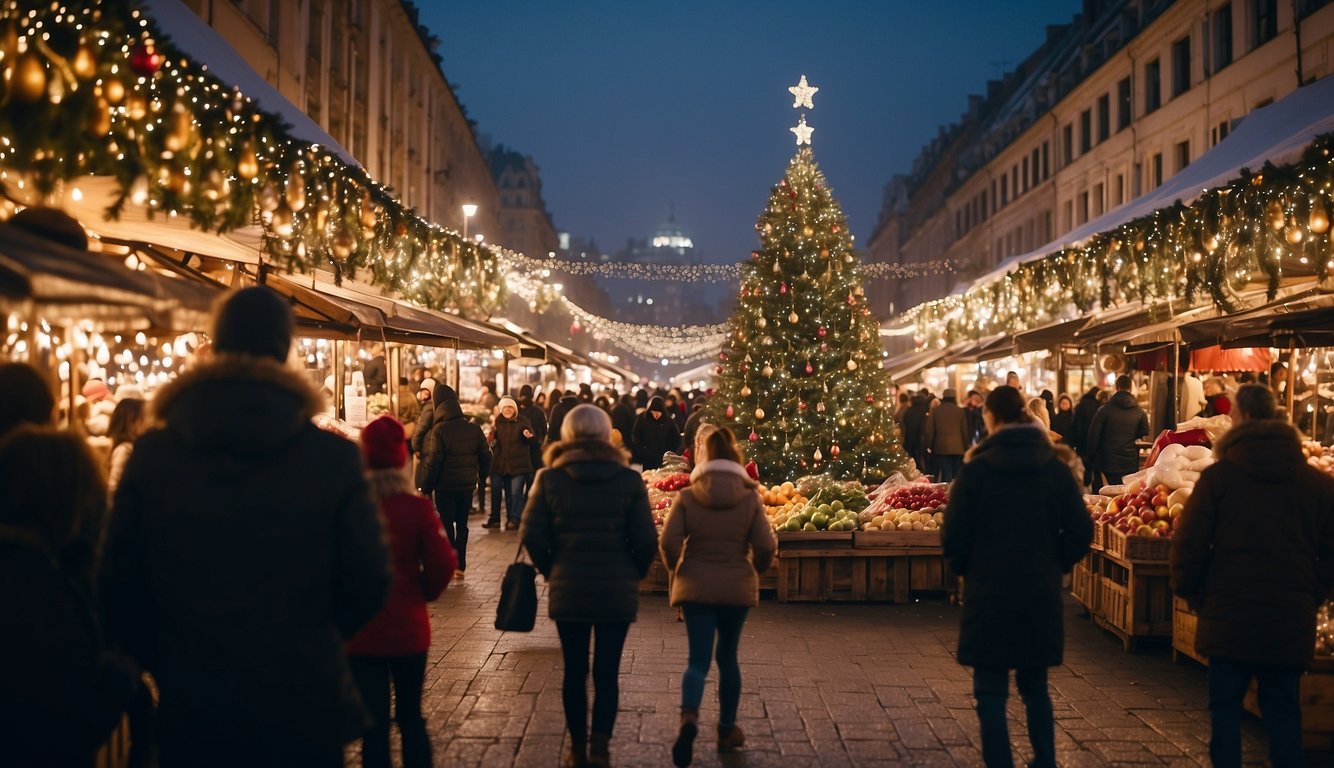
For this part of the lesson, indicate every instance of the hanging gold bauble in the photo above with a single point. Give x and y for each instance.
(268, 198)
(84, 63)
(342, 244)
(178, 182)
(1294, 234)
(113, 91)
(1274, 214)
(136, 106)
(852, 365)
(824, 253)
(759, 413)
(99, 123)
(321, 216)
(367, 213)
(793, 318)
(27, 80)
(296, 192)
(807, 231)
(281, 220)
(1318, 222)
(216, 185)
(247, 165)
(745, 391)
(768, 371)
(761, 322)
(182, 129)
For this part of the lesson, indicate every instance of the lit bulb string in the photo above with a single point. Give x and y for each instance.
(702, 273)
(1264, 226)
(92, 90)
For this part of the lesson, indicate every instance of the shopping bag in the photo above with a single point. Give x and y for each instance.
(517, 609)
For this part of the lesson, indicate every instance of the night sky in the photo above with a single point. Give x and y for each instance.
(630, 107)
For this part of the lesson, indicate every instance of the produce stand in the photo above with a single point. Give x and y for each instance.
(861, 566)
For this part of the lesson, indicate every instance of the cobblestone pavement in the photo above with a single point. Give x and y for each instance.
(823, 685)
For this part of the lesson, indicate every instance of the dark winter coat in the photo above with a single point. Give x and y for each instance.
(423, 563)
(977, 426)
(692, 428)
(512, 454)
(242, 551)
(61, 691)
(456, 457)
(914, 426)
(558, 411)
(1085, 410)
(623, 417)
(376, 376)
(1254, 549)
(1112, 435)
(538, 419)
(424, 421)
(589, 531)
(716, 538)
(1063, 424)
(1015, 522)
(653, 436)
(946, 430)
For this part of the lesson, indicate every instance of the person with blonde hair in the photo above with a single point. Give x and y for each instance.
(715, 542)
(589, 531)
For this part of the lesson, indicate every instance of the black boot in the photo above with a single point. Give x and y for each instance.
(683, 751)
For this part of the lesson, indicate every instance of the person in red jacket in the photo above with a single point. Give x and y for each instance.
(394, 644)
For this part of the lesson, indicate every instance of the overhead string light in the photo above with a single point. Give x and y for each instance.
(699, 273)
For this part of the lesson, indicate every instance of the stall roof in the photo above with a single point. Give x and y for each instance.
(1048, 336)
(902, 366)
(1306, 320)
(986, 348)
(1278, 134)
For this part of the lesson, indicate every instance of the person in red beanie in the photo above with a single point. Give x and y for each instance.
(393, 645)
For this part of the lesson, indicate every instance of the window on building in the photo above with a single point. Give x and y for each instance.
(1307, 7)
(1014, 182)
(1125, 107)
(1264, 21)
(958, 223)
(1181, 66)
(1119, 190)
(1156, 170)
(1099, 199)
(1085, 131)
(1034, 173)
(1082, 210)
(1153, 85)
(1068, 143)
(995, 200)
(1004, 192)
(1220, 132)
(1221, 23)
(1104, 117)
(1067, 216)
(1046, 164)
(985, 211)
(1047, 234)
(1182, 155)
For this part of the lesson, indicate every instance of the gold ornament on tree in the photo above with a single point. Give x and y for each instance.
(1318, 222)
(84, 63)
(27, 79)
(759, 413)
(247, 165)
(1274, 213)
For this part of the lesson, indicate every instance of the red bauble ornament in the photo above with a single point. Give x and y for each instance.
(722, 355)
(851, 299)
(835, 229)
(822, 331)
(870, 398)
(754, 438)
(801, 404)
(809, 368)
(744, 368)
(782, 288)
(833, 450)
(145, 59)
(718, 370)
(729, 411)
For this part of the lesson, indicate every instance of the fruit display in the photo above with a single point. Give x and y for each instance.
(906, 507)
(825, 489)
(663, 485)
(1144, 510)
(781, 500)
(816, 516)
(1318, 456)
(672, 482)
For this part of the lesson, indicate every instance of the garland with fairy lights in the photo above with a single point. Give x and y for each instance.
(705, 273)
(1259, 227)
(88, 88)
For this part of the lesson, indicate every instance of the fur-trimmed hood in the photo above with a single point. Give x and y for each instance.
(238, 404)
(1265, 449)
(720, 484)
(586, 459)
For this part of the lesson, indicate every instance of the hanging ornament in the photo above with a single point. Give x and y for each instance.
(1274, 214)
(718, 370)
(809, 368)
(824, 253)
(745, 392)
(824, 347)
(793, 318)
(819, 407)
(342, 244)
(851, 299)
(1294, 234)
(27, 80)
(761, 322)
(767, 341)
(754, 438)
(767, 371)
(821, 332)
(768, 228)
(777, 267)
(281, 221)
(783, 289)
(113, 91)
(787, 447)
(145, 59)
(819, 457)
(1318, 222)
(367, 215)
(759, 414)
(136, 106)
(870, 398)
(182, 130)
(247, 165)
(268, 198)
(99, 122)
(801, 405)
(84, 63)
(730, 412)
(852, 365)
(296, 191)
(807, 230)
(835, 228)
(833, 450)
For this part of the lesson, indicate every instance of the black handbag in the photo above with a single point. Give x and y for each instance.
(517, 609)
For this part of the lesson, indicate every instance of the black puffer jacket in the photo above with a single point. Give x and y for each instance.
(653, 436)
(424, 421)
(243, 550)
(589, 530)
(1254, 550)
(1085, 410)
(538, 419)
(1016, 521)
(1112, 435)
(455, 456)
(558, 411)
(511, 449)
(623, 417)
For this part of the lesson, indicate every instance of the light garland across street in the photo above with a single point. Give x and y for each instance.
(697, 273)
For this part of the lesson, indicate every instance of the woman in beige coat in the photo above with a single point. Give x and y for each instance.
(715, 542)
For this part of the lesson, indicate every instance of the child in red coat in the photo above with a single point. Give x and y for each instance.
(393, 645)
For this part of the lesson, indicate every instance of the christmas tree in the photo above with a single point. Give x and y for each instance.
(801, 374)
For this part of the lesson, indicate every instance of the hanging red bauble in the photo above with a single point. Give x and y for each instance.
(792, 194)
(722, 355)
(822, 331)
(801, 405)
(833, 450)
(782, 288)
(145, 60)
(835, 228)
(744, 368)
(851, 299)
(718, 370)
(870, 398)
(809, 368)
(754, 438)
(729, 411)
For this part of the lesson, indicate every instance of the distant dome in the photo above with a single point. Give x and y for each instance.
(671, 235)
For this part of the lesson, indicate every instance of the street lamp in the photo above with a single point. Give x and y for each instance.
(469, 210)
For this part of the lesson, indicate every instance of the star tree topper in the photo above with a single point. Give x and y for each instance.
(802, 93)
(803, 131)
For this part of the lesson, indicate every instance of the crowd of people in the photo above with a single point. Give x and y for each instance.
(255, 588)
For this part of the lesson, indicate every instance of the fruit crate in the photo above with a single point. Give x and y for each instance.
(1137, 549)
(894, 539)
(1134, 600)
(1184, 626)
(1099, 534)
(1113, 604)
(1082, 585)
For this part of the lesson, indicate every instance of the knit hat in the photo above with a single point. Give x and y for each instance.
(254, 321)
(384, 444)
(428, 384)
(526, 390)
(506, 401)
(656, 404)
(444, 393)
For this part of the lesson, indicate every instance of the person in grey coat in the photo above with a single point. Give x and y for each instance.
(945, 436)
(589, 531)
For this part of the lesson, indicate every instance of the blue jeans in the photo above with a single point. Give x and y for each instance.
(703, 622)
(1280, 707)
(991, 687)
(515, 490)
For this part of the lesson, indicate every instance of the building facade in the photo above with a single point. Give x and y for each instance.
(525, 223)
(1107, 109)
(367, 73)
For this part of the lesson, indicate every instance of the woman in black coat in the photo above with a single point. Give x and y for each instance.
(1063, 422)
(1016, 521)
(653, 435)
(589, 530)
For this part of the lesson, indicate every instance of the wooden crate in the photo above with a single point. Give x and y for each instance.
(1099, 534)
(1184, 626)
(821, 578)
(1134, 600)
(1139, 549)
(895, 539)
(1082, 586)
(1113, 605)
(1317, 700)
